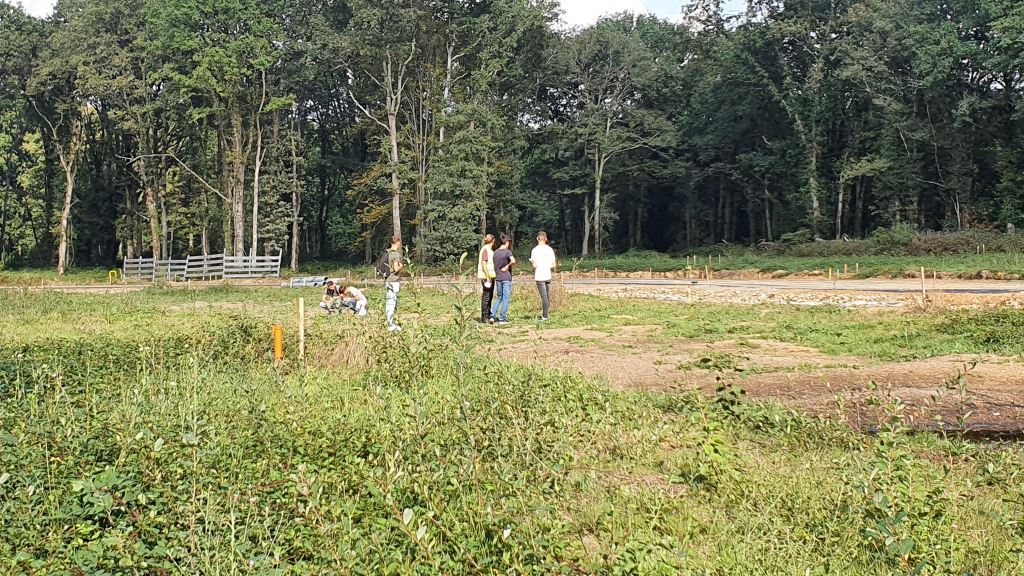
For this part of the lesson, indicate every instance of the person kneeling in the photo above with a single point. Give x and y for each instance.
(332, 299)
(353, 299)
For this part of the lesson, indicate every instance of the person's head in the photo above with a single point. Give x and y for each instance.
(542, 237)
(396, 242)
(506, 241)
(489, 240)
(330, 283)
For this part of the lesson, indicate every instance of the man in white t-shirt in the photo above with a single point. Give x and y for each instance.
(354, 300)
(543, 259)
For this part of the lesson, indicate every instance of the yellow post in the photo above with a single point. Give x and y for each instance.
(278, 332)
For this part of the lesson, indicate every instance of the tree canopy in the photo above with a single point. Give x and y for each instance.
(319, 129)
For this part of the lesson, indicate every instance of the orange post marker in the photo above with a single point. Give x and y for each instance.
(278, 331)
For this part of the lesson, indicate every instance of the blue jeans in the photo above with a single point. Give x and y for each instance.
(502, 299)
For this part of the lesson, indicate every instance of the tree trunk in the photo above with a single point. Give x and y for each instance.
(296, 197)
(396, 190)
(63, 246)
(257, 125)
(561, 220)
(599, 164)
(769, 236)
(839, 210)
(368, 245)
(257, 166)
(586, 229)
(814, 188)
(164, 233)
(237, 184)
(858, 206)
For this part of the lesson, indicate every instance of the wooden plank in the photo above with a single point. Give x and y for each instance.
(171, 269)
(252, 266)
(137, 268)
(202, 267)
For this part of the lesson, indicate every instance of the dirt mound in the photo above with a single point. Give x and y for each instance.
(975, 390)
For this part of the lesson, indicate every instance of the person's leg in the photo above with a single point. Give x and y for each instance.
(323, 306)
(360, 308)
(350, 304)
(391, 304)
(496, 299)
(544, 288)
(505, 301)
(485, 300)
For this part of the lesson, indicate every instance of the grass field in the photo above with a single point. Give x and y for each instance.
(151, 433)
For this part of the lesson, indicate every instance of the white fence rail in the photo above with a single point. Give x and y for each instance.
(210, 267)
(252, 266)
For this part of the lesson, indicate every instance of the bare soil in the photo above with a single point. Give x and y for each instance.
(979, 392)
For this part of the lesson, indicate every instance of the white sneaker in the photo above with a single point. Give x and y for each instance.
(394, 329)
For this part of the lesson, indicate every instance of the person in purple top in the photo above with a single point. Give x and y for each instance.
(503, 263)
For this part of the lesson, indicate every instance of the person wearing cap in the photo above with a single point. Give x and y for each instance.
(485, 274)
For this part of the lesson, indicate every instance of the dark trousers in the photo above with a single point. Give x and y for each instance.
(485, 300)
(544, 288)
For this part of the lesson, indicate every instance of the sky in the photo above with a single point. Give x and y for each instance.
(577, 12)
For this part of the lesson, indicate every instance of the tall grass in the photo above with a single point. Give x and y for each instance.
(186, 451)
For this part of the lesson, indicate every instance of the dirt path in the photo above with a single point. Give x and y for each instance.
(982, 391)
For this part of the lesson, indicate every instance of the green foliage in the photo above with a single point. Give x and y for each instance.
(161, 438)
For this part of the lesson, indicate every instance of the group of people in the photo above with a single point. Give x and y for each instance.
(494, 270)
(338, 298)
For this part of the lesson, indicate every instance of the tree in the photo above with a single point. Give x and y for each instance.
(392, 36)
(606, 66)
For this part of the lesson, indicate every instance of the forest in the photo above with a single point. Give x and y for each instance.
(317, 129)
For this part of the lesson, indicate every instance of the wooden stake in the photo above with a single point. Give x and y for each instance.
(858, 267)
(829, 273)
(924, 293)
(302, 328)
(719, 260)
(707, 272)
(846, 269)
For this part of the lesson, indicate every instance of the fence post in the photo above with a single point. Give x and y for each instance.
(302, 328)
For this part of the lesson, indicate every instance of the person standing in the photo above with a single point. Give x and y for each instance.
(544, 263)
(392, 284)
(486, 274)
(503, 263)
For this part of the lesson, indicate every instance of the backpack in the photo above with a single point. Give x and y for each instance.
(383, 265)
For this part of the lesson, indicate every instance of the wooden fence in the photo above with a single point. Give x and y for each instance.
(211, 267)
(252, 266)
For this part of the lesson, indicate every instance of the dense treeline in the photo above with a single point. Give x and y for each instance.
(319, 128)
